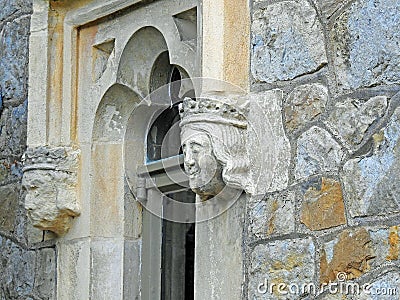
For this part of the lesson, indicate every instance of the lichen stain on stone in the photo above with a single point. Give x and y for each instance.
(291, 262)
(63, 7)
(323, 208)
(304, 105)
(271, 223)
(394, 247)
(351, 255)
(378, 138)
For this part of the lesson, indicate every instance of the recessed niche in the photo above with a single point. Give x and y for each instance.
(186, 23)
(101, 54)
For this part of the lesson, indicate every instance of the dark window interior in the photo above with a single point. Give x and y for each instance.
(177, 261)
(178, 239)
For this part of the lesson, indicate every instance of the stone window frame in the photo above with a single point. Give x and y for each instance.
(52, 116)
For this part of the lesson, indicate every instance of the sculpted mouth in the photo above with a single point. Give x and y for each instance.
(192, 172)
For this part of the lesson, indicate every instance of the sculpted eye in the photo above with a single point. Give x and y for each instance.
(196, 145)
(196, 148)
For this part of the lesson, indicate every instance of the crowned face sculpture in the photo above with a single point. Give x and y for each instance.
(50, 181)
(213, 136)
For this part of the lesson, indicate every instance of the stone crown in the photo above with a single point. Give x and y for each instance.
(211, 111)
(57, 158)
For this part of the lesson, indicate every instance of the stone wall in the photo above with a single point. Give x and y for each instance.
(332, 70)
(27, 261)
(337, 65)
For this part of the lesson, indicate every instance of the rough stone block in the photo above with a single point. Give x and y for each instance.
(8, 8)
(287, 41)
(14, 59)
(393, 241)
(350, 253)
(323, 206)
(329, 7)
(281, 262)
(8, 207)
(371, 182)
(365, 40)
(13, 136)
(351, 119)
(272, 215)
(385, 287)
(45, 279)
(10, 169)
(268, 147)
(336, 297)
(17, 270)
(304, 105)
(4, 170)
(385, 242)
(317, 152)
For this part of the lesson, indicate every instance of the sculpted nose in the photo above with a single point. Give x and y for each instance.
(189, 161)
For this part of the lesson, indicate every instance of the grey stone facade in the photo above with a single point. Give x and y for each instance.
(27, 261)
(328, 70)
(341, 97)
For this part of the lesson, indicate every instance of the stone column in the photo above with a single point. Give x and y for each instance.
(219, 255)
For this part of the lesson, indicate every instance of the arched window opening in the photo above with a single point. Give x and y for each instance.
(161, 143)
(168, 246)
(163, 139)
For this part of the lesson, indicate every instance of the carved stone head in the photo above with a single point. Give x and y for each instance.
(50, 179)
(213, 136)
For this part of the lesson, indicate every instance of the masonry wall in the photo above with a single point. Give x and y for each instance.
(334, 68)
(27, 262)
(337, 67)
